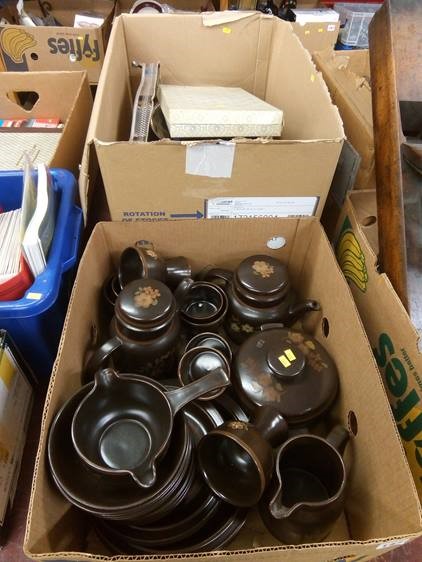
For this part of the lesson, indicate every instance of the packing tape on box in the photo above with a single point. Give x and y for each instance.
(210, 159)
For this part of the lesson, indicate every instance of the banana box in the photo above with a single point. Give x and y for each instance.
(16, 397)
(63, 46)
(393, 338)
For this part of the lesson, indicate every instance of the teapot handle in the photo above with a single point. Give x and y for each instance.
(182, 290)
(98, 358)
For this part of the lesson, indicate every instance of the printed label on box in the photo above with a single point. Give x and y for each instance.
(247, 207)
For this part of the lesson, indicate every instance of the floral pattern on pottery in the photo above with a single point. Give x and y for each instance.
(307, 347)
(268, 387)
(237, 326)
(238, 425)
(152, 254)
(262, 268)
(146, 297)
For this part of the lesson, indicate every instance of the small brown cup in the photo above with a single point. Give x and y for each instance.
(203, 305)
(198, 362)
(236, 459)
(212, 341)
(177, 269)
(139, 262)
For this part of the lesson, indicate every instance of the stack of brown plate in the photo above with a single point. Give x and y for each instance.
(178, 513)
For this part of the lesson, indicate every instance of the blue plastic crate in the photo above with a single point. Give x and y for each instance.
(35, 321)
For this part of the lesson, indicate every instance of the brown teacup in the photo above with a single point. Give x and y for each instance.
(236, 459)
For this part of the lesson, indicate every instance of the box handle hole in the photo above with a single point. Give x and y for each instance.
(352, 423)
(325, 327)
(26, 100)
(368, 221)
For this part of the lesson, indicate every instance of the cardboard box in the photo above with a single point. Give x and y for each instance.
(57, 48)
(394, 340)
(124, 6)
(16, 397)
(347, 76)
(313, 36)
(170, 179)
(73, 107)
(382, 509)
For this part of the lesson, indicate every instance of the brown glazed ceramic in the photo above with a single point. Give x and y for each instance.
(115, 497)
(307, 494)
(260, 293)
(145, 331)
(212, 341)
(288, 369)
(236, 459)
(203, 305)
(123, 426)
(225, 524)
(142, 262)
(198, 362)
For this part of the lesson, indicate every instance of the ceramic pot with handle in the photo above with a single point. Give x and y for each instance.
(287, 369)
(260, 293)
(123, 426)
(144, 332)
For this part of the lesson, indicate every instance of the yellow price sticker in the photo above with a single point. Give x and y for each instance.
(227, 30)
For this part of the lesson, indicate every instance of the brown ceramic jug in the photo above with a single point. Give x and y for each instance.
(308, 490)
(287, 369)
(260, 293)
(144, 332)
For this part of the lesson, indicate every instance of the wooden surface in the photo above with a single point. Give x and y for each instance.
(395, 53)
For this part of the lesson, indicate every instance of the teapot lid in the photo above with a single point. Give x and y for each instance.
(262, 274)
(287, 369)
(144, 301)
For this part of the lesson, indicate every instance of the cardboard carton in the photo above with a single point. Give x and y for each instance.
(170, 179)
(347, 76)
(16, 397)
(73, 107)
(394, 340)
(382, 509)
(124, 6)
(313, 36)
(57, 48)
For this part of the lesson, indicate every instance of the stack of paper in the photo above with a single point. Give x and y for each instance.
(38, 218)
(10, 250)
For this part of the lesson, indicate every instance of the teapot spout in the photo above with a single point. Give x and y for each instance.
(299, 309)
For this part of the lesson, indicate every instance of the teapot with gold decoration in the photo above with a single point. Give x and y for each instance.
(260, 293)
(288, 370)
(144, 332)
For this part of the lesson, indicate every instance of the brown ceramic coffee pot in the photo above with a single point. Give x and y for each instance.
(287, 369)
(260, 293)
(144, 332)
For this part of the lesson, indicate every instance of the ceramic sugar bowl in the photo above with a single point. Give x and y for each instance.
(260, 293)
(287, 369)
(144, 331)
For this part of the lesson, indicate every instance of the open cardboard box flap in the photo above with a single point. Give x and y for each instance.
(258, 53)
(394, 339)
(347, 75)
(382, 510)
